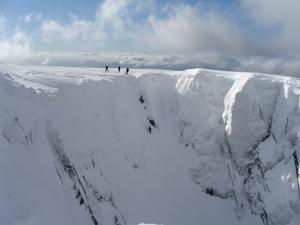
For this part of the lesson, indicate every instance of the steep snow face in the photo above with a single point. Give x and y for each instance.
(168, 147)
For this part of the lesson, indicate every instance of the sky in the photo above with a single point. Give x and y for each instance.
(243, 35)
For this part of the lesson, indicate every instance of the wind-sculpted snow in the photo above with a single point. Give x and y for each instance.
(79, 146)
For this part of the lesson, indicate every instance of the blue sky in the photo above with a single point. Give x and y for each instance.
(254, 34)
(55, 9)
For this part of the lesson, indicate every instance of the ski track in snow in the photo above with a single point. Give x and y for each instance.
(81, 146)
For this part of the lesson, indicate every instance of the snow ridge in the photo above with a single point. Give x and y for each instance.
(165, 147)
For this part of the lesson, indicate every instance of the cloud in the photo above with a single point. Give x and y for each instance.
(32, 17)
(186, 30)
(254, 35)
(118, 15)
(16, 49)
(114, 25)
(22, 54)
(112, 20)
(281, 16)
(133, 60)
(52, 31)
(12, 51)
(111, 12)
(181, 29)
(276, 65)
(28, 18)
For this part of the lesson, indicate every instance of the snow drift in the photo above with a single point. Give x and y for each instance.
(168, 147)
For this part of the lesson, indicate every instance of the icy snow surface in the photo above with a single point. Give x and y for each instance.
(195, 147)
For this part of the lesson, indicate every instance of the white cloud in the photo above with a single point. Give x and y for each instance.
(116, 19)
(182, 30)
(28, 18)
(20, 37)
(53, 31)
(272, 12)
(133, 60)
(111, 11)
(118, 14)
(206, 37)
(283, 17)
(13, 48)
(16, 49)
(32, 17)
(113, 21)
(21, 53)
(276, 65)
(186, 30)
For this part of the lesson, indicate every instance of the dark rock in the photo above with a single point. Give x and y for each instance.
(141, 99)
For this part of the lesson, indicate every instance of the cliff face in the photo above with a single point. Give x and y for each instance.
(166, 147)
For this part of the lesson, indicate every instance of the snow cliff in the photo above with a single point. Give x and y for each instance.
(78, 146)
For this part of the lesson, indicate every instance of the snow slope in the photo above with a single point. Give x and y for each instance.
(80, 146)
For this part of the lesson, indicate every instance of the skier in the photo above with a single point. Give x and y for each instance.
(127, 71)
(119, 69)
(106, 68)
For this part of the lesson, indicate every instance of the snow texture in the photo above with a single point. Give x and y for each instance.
(80, 146)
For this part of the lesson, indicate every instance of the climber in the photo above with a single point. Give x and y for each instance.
(119, 69)
(127, 70)
(106, 68)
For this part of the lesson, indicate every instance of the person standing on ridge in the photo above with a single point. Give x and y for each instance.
(106, 68)
(119, 69)
(127, 71)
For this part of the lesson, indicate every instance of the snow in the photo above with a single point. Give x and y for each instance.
(81, 146)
